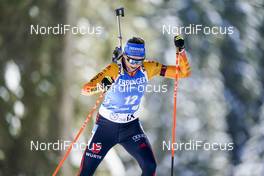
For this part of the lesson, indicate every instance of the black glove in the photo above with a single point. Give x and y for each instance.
(106, 82)
(117, 53)
(179, 42)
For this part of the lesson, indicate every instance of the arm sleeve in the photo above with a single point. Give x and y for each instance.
(93, 86)
(168, 71)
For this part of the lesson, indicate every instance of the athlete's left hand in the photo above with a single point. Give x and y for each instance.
(117, 53)
(179, 42)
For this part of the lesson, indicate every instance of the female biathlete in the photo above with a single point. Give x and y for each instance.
(117, 121)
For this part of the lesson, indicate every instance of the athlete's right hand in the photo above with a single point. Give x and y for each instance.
(179, 42)
(106, 82)
(90, 89)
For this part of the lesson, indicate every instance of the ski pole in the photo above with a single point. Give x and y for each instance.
(119, 13)
(174, 110)
(88, 117)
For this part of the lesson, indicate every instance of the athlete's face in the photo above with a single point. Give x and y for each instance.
(133, 63)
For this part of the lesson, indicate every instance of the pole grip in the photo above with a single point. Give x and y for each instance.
(120, 12)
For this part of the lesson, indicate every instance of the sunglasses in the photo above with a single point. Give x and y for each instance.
(135, 61)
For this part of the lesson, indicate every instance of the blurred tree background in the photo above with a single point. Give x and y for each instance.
(41, 78)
